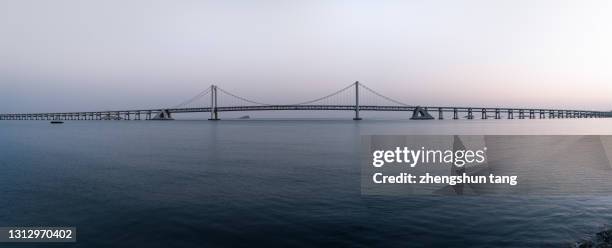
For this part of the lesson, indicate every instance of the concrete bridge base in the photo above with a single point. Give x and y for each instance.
(164, 115)
(421, 114)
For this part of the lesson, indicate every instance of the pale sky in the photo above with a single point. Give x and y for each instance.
(77, 55)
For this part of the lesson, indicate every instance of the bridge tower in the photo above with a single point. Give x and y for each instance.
(357, 101)
(214, 115)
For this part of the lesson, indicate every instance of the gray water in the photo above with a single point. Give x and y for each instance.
(242, 183)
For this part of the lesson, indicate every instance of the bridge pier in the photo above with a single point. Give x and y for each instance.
(214, 115)
(455, 114)
(440, 114)
(357, 101)
(470, 115)
(420, 113)
(521, 114)
(497, 114)
(163, 115)
(531, 114)
(510, 114)
(484, 114)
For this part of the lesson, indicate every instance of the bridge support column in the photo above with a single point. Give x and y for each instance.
(521, 114)
(484, 114)
(214, 116)
(531, 114)
(440, 114)
(357, 101)
(455, 114)
(497, 114)
(510, 114)
(470, 115)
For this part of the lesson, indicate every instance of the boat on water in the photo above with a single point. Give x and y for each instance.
(57, 122)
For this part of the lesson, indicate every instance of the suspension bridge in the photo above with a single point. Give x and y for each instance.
(355, 97)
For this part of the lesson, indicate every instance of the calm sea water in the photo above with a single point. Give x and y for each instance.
(242, 183)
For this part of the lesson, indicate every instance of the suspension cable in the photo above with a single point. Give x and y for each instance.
(385, 97)
(196, 97)
(242, 98)
(327, 96)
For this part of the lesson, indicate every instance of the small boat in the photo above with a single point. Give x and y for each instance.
(57, 122)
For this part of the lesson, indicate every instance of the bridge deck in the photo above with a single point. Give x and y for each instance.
(484, 111)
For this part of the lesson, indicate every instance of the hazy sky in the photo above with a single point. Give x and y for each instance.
(65, 55)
